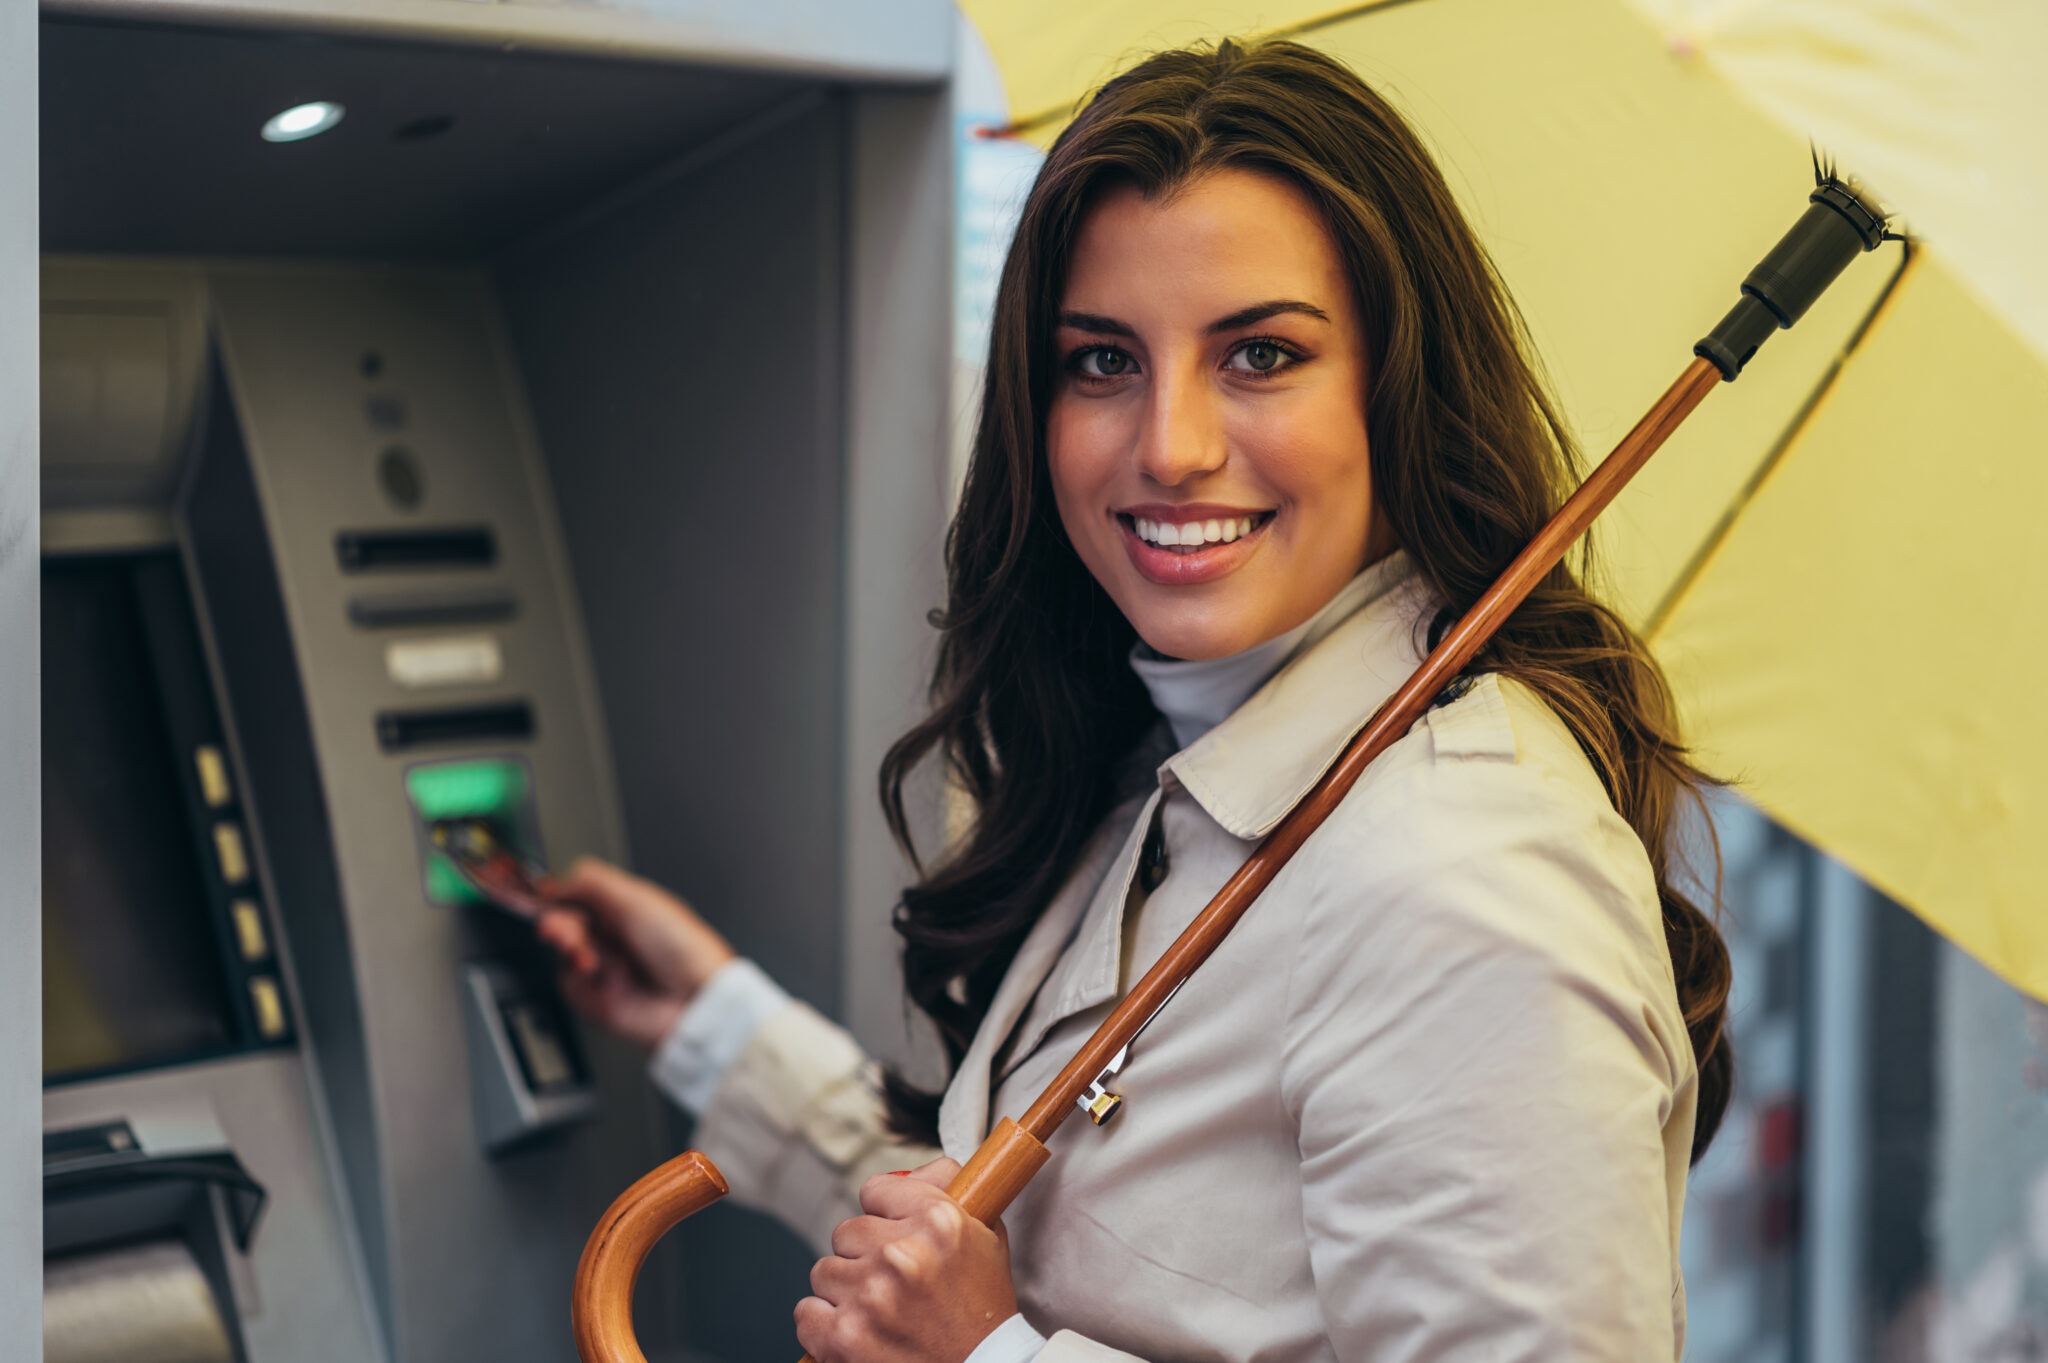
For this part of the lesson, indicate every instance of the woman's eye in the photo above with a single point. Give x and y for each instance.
(1259, 357)
(1103, 362)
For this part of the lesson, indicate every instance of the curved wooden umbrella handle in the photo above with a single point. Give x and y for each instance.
(601, 1311)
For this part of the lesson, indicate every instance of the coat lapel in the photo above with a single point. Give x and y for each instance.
(963, 1114)
(1088, 972)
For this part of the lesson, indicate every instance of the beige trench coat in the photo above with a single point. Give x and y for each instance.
(1433, 1099)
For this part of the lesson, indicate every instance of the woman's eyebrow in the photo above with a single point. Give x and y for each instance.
(1095, 321)
(1243, 317)
(1259, 312)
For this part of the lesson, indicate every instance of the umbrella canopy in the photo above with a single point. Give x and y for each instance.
(1833, 558)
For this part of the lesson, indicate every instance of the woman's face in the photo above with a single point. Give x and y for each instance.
(1207, 437)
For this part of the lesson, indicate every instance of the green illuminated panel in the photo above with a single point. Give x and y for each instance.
(485, 788)
(450, 790)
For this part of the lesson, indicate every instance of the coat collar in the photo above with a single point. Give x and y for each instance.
(1248, 771)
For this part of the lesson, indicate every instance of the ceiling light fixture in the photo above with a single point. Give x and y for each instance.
(302, 121)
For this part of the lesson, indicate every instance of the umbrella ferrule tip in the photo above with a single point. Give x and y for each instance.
(1838, 225)
(1855, 207)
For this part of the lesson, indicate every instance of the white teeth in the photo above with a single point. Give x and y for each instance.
(1194, 533)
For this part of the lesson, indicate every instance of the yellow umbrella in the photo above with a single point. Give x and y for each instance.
(1834, 557)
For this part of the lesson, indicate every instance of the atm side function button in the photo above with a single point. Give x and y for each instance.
(232, 851)
(213, 775)
(450, 606)
(250, 937)
(446, 660)
(369, 551)
(268, 1004)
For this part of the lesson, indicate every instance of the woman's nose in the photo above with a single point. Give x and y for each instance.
(1183, 435)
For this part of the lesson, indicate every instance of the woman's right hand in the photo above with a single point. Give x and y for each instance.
(633, 955)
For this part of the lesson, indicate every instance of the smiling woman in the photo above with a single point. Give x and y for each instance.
(1207, 440)
(1259, 421)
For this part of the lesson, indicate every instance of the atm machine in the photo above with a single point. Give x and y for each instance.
(556, 438)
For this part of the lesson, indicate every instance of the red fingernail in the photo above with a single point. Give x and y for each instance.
(899, 1173)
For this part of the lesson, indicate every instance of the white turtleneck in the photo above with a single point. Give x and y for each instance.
(1197, 695)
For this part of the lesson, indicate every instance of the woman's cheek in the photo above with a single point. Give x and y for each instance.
(1078, 479)
(1075, 443)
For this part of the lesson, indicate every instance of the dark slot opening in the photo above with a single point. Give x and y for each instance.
(82, 1144)
(366, 551)
(398, 729)
(396, 611)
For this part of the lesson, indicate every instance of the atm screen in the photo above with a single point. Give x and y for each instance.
(132, 968)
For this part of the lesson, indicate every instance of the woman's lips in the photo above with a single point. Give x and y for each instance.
(1167, 567)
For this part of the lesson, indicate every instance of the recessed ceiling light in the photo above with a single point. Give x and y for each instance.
(303, 121)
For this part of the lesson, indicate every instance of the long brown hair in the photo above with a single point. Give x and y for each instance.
(1034, 701)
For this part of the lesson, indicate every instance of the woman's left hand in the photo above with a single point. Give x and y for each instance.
(916, 1280)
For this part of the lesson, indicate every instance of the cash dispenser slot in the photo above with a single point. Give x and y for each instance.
(369, 551)
(144, 1221)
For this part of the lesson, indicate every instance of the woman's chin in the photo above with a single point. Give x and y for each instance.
(1172, 635)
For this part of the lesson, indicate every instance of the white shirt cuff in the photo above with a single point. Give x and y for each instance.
(1014, 1341)
(693, 1058)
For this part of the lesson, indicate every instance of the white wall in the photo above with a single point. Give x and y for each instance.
(21, 1052)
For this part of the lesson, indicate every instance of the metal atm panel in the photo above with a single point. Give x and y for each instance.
(314, 360)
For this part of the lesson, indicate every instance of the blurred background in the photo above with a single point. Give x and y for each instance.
(550, 412)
